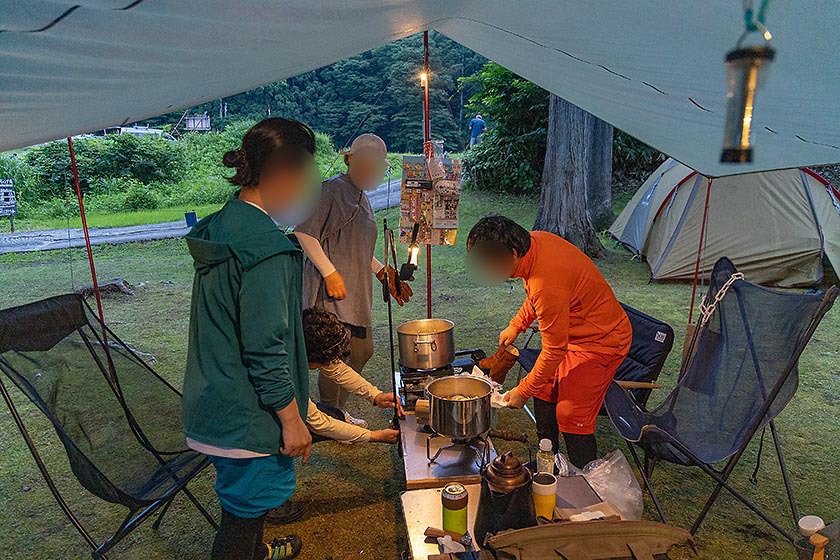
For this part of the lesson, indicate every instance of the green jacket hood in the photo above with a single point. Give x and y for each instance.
(238, 231)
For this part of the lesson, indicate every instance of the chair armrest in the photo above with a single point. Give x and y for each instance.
(637, 384)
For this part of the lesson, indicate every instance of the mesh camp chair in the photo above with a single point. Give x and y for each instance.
(118, 420)
(651, 344)
(741, 373)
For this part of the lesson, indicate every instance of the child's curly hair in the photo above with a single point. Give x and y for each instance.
(327, 339)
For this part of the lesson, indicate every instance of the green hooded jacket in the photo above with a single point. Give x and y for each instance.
(246, 357)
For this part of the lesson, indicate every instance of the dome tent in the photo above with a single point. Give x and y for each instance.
(776, 226)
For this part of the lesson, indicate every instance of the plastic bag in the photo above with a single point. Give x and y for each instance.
(613, 480)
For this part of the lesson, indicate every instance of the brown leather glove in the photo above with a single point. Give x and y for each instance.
(498, 365)
(405, 290)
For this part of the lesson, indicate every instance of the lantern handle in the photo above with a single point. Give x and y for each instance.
(754, 21)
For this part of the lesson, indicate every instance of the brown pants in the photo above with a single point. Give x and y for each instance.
(361, 350)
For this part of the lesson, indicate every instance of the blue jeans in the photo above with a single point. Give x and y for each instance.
(249, 488)
(475, 140)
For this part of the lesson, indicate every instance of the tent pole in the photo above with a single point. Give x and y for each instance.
(700, 250)
(427, 137)
(87, 238)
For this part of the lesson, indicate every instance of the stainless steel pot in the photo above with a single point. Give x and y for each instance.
(459, 406)
(426, 343)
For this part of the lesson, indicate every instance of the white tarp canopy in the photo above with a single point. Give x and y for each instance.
(653, 68)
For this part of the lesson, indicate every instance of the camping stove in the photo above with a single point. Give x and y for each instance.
(413, 381)
(479, 445)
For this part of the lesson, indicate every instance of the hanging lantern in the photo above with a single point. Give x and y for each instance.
(746, 70)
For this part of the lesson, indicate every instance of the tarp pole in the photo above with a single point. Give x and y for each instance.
(427, 137)
(87, 237)
(700, 249)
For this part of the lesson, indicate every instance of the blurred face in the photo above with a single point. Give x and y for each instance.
(367, 168)
(492, 266)
(290, 193)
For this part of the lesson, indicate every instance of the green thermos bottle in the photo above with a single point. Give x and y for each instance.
(454, 498)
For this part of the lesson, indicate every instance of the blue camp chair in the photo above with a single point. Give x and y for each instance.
(740, 374)
(651, 344)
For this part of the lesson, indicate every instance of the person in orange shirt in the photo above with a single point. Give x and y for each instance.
(585, 332)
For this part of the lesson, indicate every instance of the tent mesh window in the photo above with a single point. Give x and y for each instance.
(123, 434)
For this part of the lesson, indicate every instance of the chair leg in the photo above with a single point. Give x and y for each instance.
(201, 509)
(721, 480)
(785, 476)
(722, 483)
(647, 483)
(163, 510)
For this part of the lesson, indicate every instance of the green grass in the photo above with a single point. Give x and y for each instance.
(96, 219)
(351, 493)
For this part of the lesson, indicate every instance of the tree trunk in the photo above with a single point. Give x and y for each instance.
(599, 181)
(565, 175)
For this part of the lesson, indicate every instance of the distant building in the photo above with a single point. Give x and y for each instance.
(197, 122)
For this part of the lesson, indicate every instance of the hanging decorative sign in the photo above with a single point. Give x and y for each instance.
(431, 192)
(8, 200)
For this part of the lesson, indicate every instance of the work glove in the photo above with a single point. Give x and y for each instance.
(392, 279)
(498, 365)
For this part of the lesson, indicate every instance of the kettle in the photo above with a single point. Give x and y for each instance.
(506, 473)
(505, 501)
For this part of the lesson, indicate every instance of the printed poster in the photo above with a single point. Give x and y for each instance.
(430, 199)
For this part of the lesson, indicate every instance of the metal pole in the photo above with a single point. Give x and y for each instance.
(87, 242)
(427, 137)
(386, 295)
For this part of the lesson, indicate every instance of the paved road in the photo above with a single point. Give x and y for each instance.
(46, 240)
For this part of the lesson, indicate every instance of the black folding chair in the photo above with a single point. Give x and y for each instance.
(741, 373)
(118, 420)
(651, 344)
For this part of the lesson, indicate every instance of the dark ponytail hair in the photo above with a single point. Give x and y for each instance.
(270, 142)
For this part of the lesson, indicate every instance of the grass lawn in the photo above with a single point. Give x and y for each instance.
(96, 219)
(351, 492)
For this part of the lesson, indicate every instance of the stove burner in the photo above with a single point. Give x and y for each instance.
(413, 381)
(479, 445)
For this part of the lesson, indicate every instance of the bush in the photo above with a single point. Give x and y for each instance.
(127, 173)
(98, 160)
(634, 157)
(503, 164)
(510, 158)
(139, 196)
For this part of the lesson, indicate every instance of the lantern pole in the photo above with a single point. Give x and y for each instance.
(427, 137)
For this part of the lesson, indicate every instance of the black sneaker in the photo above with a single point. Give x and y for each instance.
(284, 548)
(287, 513)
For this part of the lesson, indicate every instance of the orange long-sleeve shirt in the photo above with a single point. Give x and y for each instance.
(573, 304)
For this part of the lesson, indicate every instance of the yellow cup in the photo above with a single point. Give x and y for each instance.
(545, 494)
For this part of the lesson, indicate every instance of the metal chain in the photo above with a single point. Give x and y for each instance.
(706, 309)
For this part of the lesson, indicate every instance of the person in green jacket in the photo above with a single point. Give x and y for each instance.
(246, 387)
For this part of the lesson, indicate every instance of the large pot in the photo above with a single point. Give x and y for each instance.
(459, 406)
(426, 343)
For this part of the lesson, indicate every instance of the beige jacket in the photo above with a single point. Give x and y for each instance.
(329, 427)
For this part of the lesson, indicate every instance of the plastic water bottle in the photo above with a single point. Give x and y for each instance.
(545, 457)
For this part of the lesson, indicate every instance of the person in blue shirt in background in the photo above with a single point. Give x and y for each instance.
(477, 128)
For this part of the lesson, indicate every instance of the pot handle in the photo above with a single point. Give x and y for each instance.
(417, 344)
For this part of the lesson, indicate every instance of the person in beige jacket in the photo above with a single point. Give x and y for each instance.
(327, 342)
